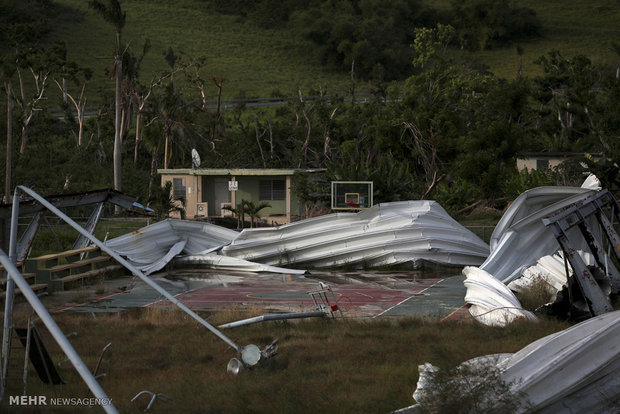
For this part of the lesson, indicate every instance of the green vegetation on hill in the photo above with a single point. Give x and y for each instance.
(255, 60)
(585, 27)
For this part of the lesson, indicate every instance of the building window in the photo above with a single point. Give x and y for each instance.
(178, 189)
(272, 190)
(542, 164)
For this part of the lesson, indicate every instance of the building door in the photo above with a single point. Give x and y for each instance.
(220, 187)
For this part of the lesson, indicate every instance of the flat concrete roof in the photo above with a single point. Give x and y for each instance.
(236, 171)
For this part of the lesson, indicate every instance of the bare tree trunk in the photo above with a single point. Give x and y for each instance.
(40, 81)
(117, 126)
(219, 82)
(270, 141)
(138, 132)
(9, 143)
(22, 148)
(24, 105)
(260, 147)
(427, 155)
(64, 90)
(304, 148)
(326, 137)
(166, 146)
(153, 171)
(80, 106)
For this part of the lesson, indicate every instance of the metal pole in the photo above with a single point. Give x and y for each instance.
(27, 354)
(9, 295)
(55, 331)
(273, 317)
(90, 227)
(130, 267)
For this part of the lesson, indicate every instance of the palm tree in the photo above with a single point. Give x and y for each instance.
(163, 202)
(252, 210)
(112, 13)
(249, 208)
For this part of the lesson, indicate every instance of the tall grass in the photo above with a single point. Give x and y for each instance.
(322, 365)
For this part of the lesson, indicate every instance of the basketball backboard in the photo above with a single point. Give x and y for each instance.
(351, 195)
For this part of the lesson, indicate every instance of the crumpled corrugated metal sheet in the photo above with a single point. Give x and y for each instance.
(146, 246)
(550, 270)
(491, 302)
(387, 234)
(574, 370)
(217, 261)
(520, 238)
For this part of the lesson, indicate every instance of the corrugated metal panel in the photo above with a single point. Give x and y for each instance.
(389, 233)
(574, 370)
(150, 244)
(520, 238)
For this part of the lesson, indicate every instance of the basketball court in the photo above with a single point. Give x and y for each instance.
(357, 294)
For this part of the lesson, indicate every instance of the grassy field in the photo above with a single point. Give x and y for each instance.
(322, 366)
(260, 61)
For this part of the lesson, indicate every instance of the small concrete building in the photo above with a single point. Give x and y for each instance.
(207, 191)
(541, 160)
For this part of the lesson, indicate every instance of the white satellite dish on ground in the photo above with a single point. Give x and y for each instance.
(195, 159)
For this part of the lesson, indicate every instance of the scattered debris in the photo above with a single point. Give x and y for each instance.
(154, 396)
(551, 270)
(96, 370)
(251, 356)
(152, 247)
(597, 281)
(323, 307)
(219, 262)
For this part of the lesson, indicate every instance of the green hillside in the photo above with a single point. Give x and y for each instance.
(250, 59)
(582, 27)
(260, 61)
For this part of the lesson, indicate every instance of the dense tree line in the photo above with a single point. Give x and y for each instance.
(451, 132)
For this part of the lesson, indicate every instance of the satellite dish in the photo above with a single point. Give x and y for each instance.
(195, 159)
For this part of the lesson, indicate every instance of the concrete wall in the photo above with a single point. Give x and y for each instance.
(249, 190)
(531, 163)
(192, 192)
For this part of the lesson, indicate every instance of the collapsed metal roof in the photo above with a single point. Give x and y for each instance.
(519, 240)
(387, 234)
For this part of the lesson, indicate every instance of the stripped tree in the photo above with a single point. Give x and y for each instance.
(112, 13)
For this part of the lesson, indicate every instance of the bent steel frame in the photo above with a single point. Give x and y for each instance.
(575, 216)
(14, 276)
